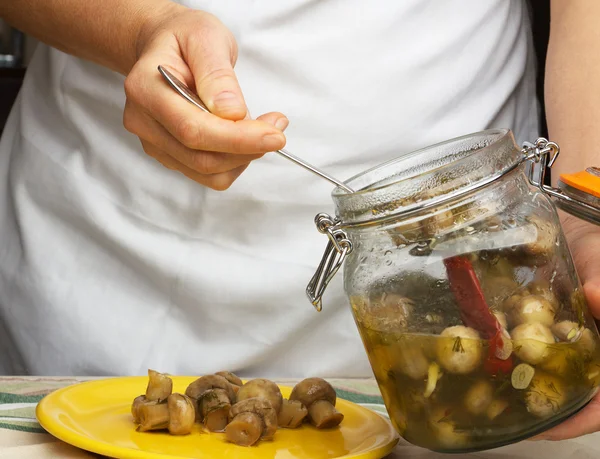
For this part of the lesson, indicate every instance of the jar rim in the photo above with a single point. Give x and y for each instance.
(493, 151)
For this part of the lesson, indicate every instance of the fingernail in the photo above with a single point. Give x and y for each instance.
(282, 123)
(272, 142)
(227, 99)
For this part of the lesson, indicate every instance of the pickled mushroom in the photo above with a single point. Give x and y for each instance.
(262, 388)
(250, 420)
(319, 397)
(210, 409)
(214, 405)
(479, 397)
(530, 341)
(135, 407)
(496, 408)
(459, 351)
(531, 309)
(153, 415)
(291, 414)
(545, 396)
(389, 312)
(411, 361)
(445, 430)
(566, 330)
(232, 378)
(541, 250)
(182, 414)
(159, 386)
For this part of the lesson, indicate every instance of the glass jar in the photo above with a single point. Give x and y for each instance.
(464, 292)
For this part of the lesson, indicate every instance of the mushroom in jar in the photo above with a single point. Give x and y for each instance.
(411, 361)
(539, 251)
(262, 388)
(182, 414)
(445, 430)
(388, 313)
(232, 378)
(545, 396)
(479, 397)
(213, 396)
(459, 350)
(530, 341)
(532, 309)
(319, 397)
(250, 420)
(292, 414)
(159, 386)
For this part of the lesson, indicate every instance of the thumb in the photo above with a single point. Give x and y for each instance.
(211, 63)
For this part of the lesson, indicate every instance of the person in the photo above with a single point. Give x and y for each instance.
(141, 232)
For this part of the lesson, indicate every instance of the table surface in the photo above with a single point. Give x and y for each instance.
(22, 437)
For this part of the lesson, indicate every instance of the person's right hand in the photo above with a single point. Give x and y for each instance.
(211, 148)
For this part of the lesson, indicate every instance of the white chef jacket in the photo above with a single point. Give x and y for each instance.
(111, 264)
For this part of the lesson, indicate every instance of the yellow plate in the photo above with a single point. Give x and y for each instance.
(95, 416)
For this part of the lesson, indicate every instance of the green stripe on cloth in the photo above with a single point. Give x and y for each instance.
(23, 426)
(14, 398)
(359, 398)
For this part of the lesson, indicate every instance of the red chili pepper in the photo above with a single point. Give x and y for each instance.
(474, 310)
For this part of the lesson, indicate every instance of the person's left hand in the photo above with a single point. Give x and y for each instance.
(584, 241)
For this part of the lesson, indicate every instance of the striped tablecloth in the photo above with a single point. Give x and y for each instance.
(21, 437)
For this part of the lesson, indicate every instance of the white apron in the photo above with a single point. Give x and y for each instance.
(111, 264)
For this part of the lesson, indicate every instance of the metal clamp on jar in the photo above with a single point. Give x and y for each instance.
(464, 291)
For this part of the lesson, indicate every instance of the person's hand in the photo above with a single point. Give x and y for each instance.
(212, 149)
(584, 241)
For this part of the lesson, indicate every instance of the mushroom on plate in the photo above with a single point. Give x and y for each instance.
(182, 414)
(250, 420)
(153, 415)
(233, 379)
(262, 388)
(291, 414)
(135, 407)
(159, 386)
(319, 397)
(214, 396)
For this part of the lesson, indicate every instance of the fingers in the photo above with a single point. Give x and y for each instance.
(202, 162)
(191, 126)
(585, 422)
(211, 55)
(219, 182)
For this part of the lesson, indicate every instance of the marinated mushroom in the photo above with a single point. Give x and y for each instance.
(182, 414)
(545, 396)
(291, 414)
(571, 332)
(389, 312)
(211, 409)
(214, 407)
(531, 342)
(250, 420)
(411, 361)
(319, 397)
(135, 407)
(262, 388)
(479, 397)
(233, 379)
(447, 434)
(159, 386)
(459, 350)
(153, 415)
(496, 408)
(540, 250)
(532, 309)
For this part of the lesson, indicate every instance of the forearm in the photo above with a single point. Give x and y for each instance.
(572, 87)
(102, 31)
